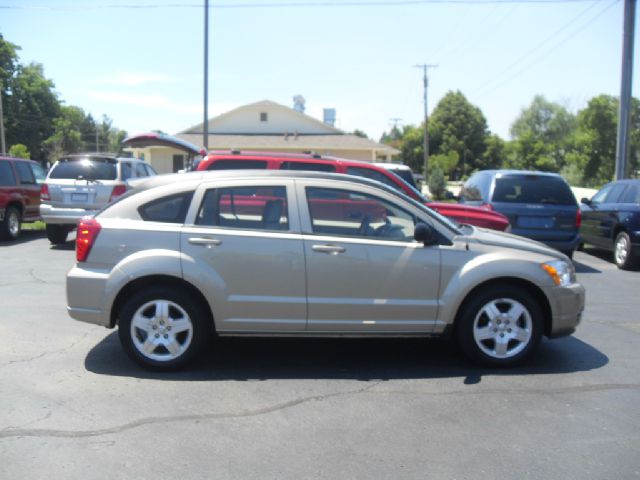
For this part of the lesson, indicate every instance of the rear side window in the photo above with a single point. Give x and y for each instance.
(256, 208)
(7, 177)
(632, 195)
(533, 189)
(171, 209)
(85, 169)
(232, 164)
(308, 166)
(126, 170)
(25, 173)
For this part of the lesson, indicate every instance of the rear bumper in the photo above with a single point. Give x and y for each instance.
(567, 305)
(564, 245)
(64, 216)
(86, 296)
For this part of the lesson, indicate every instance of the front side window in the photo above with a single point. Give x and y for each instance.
(632, 195)
(171, 209)
(140, 170)
(615, 193)
(373, 175)
(355, 214)
(255, 207)
(599, 197)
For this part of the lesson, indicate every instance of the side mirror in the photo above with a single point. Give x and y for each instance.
(586, 201)
(424, 234)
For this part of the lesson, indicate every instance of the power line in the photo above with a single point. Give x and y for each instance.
(315, 4)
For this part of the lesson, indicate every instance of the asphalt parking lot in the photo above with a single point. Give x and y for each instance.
(73, 406)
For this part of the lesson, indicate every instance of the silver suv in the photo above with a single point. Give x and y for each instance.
(80, 185)
(311, 254)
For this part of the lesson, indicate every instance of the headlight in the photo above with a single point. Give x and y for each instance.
(561, 272)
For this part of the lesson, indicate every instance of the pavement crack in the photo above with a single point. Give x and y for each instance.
(51, 433)
(44, 354)
(35, 277)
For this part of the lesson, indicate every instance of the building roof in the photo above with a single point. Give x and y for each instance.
(287, 129)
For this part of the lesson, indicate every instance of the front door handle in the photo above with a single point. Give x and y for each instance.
(207, 242)
(330, 249)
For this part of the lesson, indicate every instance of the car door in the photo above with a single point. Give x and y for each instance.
(29, 189)
(243, 244)
(365, 273)
(603, 216)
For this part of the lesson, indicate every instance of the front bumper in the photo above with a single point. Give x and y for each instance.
(567, 305)
(64, 216)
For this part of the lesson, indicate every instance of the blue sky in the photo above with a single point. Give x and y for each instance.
(141, 61)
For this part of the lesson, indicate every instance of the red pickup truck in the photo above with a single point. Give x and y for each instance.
(19, 194)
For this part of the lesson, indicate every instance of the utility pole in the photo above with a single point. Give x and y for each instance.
(622, 147)
(205, 125)
(426, 118)
(3, 145)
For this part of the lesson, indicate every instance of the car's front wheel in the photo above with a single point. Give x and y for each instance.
(10, 226)
(622, 253)
(500, 326)
(162, 328)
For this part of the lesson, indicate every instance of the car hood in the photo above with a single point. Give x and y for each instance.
(508, 240)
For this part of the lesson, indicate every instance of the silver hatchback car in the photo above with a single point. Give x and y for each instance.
(81, 184)
(311, 254)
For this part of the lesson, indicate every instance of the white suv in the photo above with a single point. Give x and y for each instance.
(80, 185)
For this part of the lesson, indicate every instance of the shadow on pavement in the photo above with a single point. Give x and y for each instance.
(24, 237)
(251, 359)
(584, 268)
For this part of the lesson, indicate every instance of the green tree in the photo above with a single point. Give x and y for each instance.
(495, 154)
(67, 136)
(544, 128)
(458, 126)
(445, 162)
(437, 183)
(19, 151)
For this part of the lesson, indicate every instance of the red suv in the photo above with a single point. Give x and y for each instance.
(19, 194)
(235, 160)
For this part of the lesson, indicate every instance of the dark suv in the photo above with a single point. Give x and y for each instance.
(611, 220)
(539, 205)
(19, 194)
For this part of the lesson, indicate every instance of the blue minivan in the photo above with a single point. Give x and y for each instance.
(539, 205)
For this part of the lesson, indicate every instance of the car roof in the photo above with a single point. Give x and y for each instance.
(99, 156)
(508, 172)
(307, 157)
(196, 177)
(393, 166)
(16, 159)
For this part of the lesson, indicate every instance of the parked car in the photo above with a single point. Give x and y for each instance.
(314, 162)
(81, 184)
(539, 205)
(19, 194)
(403, 171)
(309, 254)
(611, 220)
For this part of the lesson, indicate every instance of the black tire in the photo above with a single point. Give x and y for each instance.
(519, 335)
(623, 254)
(182, 309)
(11, 224)
(57, 234)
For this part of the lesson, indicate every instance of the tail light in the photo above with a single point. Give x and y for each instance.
(578, 218)
(118, 191)
(88, 230)
(487, 206)
(44, 192)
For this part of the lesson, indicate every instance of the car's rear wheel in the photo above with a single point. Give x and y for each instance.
(162, 328)
(622, 252)
(57, 233)
(10, 227)
(500, 326)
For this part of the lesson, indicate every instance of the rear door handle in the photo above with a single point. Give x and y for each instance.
(330, 249)
(207, 242)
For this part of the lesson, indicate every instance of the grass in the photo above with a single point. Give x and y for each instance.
(39, 225)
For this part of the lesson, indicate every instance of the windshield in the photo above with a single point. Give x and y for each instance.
(84, 169)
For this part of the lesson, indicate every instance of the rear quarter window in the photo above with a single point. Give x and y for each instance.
(476, 189)
(170, 209)
(533, 189)
(7, 177)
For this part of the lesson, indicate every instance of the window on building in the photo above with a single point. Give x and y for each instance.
(263, 116)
